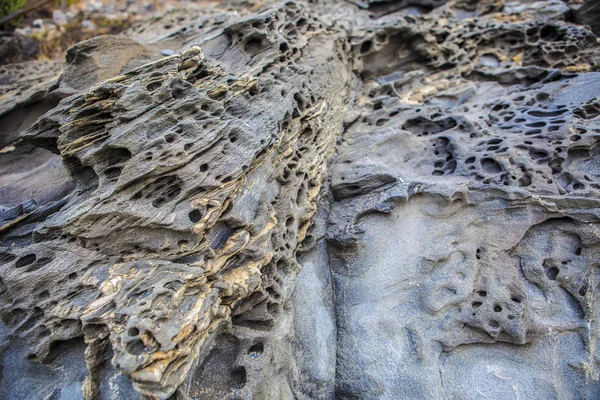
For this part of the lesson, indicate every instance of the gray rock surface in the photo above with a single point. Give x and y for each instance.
(15, 48)
(313, 200)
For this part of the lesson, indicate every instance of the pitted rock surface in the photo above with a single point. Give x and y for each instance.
(314, 200)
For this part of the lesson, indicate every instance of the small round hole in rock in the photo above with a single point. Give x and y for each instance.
(238, 375)
(195, 216)
(365, 47)
(552, 273)
(253, 45)
(497, 308)
(548, 32)
(25, 260)
(113, 173)
(256, 350)
(153, 86)
(136, 347)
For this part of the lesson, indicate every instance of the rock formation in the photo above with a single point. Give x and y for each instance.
(310, 199)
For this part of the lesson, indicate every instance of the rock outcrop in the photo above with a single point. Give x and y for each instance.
(353, 200)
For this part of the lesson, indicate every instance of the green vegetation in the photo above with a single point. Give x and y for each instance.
(10, 6)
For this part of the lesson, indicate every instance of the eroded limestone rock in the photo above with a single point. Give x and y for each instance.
(195, 189)
(382, 199)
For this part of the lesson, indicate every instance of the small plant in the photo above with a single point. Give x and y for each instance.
(68, 2)
(9, 6)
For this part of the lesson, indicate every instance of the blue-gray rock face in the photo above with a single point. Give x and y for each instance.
(314, 200)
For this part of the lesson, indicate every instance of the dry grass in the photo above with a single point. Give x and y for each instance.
(53, 44)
